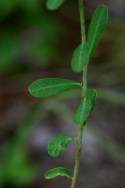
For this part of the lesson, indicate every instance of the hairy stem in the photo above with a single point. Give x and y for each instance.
(84, 88)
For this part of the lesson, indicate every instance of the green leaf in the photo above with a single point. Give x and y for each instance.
(79, 62)
(58, 144)
(51, 86)
(96, 28)
(83, 52)
(54, 4)
(85, 108)
(59, 171)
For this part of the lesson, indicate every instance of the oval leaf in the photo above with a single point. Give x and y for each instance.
(85, 108)
(79, 58)
(58, 144)
(96, 28)
(54, 4)
(59, 171)
(51, 86)
(83, 52)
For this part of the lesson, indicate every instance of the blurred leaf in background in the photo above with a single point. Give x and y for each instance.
(6, 7)
(8, 49)
(30, 34)
(16, 167)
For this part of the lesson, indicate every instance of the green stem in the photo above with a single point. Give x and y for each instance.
(83, 40)
(83, 92)
(82, 20)
(77, 160)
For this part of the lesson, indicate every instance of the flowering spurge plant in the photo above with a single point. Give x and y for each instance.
(48, 87)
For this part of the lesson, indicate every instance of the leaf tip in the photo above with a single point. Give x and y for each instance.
(53, 5)
(30, 90)
(105, 8)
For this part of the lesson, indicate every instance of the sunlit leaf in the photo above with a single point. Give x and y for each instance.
(54, 4)
(51, 86)
(59, 171)
(85, 108)
(58, 144)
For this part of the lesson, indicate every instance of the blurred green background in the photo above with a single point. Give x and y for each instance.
(36, 43)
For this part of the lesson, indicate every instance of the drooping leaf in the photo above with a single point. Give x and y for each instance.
(96, 28)
(79, 57)
(58, 144)
(48, 87)
(85, 108)
(59, 171)
(54, 4)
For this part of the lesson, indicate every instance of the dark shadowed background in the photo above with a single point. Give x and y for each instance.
(36, 43)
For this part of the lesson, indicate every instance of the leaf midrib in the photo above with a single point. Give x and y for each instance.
(58, 85)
